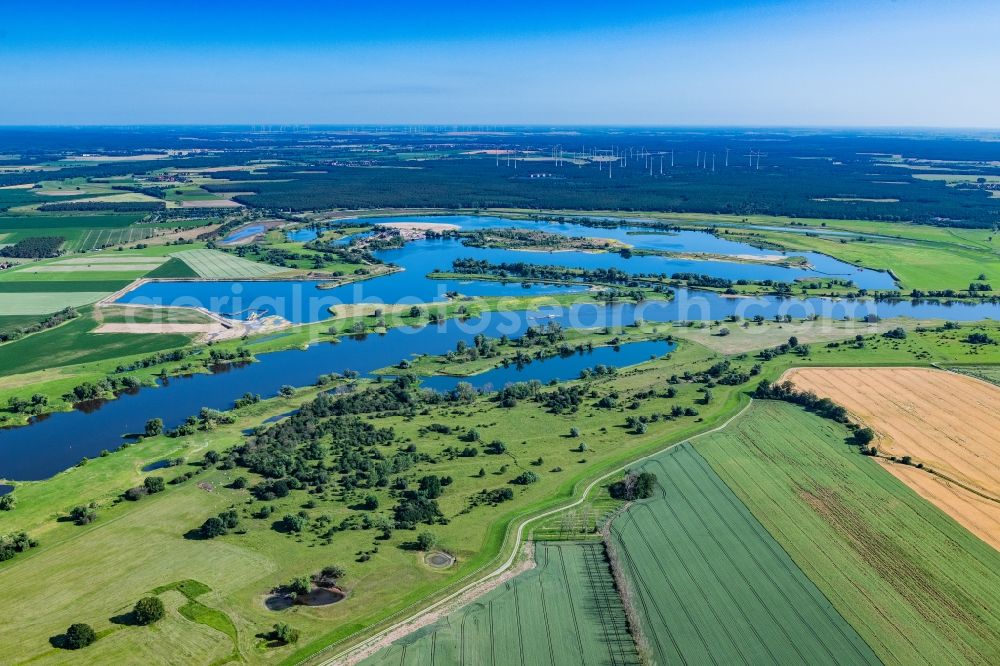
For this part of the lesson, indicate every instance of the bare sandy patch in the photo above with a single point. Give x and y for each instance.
(948, 422)
(160, 328)
(75, 268)
(116, 158)
(63, 193)
(100, 261)
(421, 226)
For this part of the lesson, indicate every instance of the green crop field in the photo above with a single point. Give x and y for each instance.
(75, 342)
(565, 611)
(712, 586)
(27, 286)
(81, 231)
(215, 264)
(173, 268)
(916, 585)
(45, 303)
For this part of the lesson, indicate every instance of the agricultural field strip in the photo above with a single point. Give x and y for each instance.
(124, 259)
(80, 268)
(885, 614)
(215, 264)
(41, 303)
(724, 605)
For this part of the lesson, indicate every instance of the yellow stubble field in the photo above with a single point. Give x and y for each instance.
(948, 422)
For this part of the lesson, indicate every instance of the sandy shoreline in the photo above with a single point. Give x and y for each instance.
(420, 226)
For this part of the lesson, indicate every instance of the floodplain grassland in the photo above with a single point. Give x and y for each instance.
(712, 586)
(138, 546)
(565, 611)
(918, 264)
(916, 585)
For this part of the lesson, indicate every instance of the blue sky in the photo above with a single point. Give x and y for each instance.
(766, 63)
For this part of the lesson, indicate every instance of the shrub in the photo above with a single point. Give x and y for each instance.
(332, 572)
(282, 633)
(153, 427)
(864, 436)
(78, 636)
(525, 478)
(83, 515)
(148, 610)
(211, 528)
(293, 523)
(634, 486)
(426, 540)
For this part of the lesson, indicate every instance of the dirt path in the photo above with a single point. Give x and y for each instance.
(384, 640)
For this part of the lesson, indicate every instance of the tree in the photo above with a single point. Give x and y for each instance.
(293, 523)
(793, 341)
(153, 427)
(634, 486)
(78, 636)
(574, 432)
(284, 634)
(148, 610)
(371, 502)
(211, 528)
(426, 541)
(864, 436)
(286, 391)
(332, 572)
(7, 502)
(430, 486)
(300, 586)
(153, 484)
(525, 478)
(83, 515)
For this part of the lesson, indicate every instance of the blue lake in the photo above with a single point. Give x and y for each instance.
(58, 441)
(304, 301)
(245, 232)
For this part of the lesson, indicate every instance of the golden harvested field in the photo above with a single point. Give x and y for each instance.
(948, 422)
